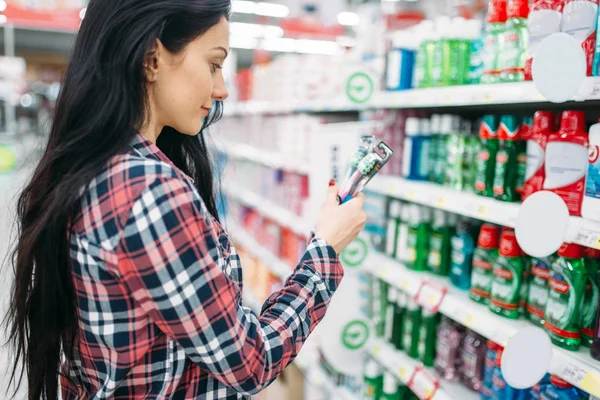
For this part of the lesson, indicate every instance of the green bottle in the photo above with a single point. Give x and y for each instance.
(537, 293)
(447, 124)
(505, 177)
(524, 135)
(391, 390)
(527, 261)
(493, 43)
(455, 146)
(469, 169)
(434, 147)
(373, 379)
(399, 313)
(589, 306)
(412, 328)
(393, 224)
(418, 238)
(484, 257)
(515, 42)
(486, 157)
(379, 290)
(568, 278)
(508, 277)
(428, 337)
(390, 314)
(440, 246)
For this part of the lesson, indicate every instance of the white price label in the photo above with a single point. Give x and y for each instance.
(573, 373)
(588, 238)
(431, 296)
(423, 383)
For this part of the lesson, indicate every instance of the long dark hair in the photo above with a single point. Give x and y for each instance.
(101, 107)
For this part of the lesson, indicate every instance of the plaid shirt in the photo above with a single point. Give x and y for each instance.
(159, 289)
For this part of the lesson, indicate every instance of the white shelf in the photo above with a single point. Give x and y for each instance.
(245, 240)
(578, 368)
(339, 104)
(268, 209)
(264, 157)
(403, 368)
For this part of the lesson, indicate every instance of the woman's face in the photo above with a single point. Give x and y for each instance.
(184, 86)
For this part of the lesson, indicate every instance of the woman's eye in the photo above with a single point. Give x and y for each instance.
(216, 67)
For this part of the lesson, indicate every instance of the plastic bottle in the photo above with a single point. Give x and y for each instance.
(494, 37)
(393, 224)
(484, 257)
(590, 209)
(525, 133)
(535, 393)
(390, 314)
(515, 42)
(486, 157)
(566, 160)
(456, 148)
(379, 305)
(442, 229)
(400, 62)
(390, 388)
(460, 53)
(428, 336)
(545, 19)
(463, 246)
(418, 238)
(472, 360)
(412, 328)
(524, 287)
(448, 125)
(434, 147)
(403, 253)
(488, 368)
(373, 379)
(568, 278)
(399, 315)
(580, 19)
(440, 51)
(589, 305)
(476, 59)
(559, 389)
(416, 151)
(449, 338)
(543, 127)
(508, 277)
(469, 159)
(423, 33)
(537, 296)
(505, 176)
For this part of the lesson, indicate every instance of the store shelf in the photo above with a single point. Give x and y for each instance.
(577, 368)
(245, 240)
(268, 209)
(405, 369)
(340, 104)
(264, 157)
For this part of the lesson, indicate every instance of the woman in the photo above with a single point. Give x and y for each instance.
(126, 285)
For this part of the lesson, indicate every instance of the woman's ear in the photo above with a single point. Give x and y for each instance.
(152, 61)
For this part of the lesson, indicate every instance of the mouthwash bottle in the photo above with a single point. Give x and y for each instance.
(456, 53)
(418, 237)
(484, 257)
(399, 316)
(469, 167)
(494, 38)
(449, 338)
(423, 59)
(412, 328)
(434, 147)
(559, 389)
(463, 246)
(524, 288)
(393, 224)
(391, 389)
(379, 292)
(568, 279)
(508, 277)
(456, 148)
(472, 359)
(442, 229)
(525, 133)
(515, 43)
(476, 59)
(589, 306)
(543, 127)
(486, 156)
(448, 124)
(428, 337)
(373, 379)
(489, 364)
(390, 314)
(537, 295)
(505, 177)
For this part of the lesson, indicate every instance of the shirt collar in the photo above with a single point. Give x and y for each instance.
(148, 149)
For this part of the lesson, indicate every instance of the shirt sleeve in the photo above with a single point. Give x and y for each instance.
(170, 261)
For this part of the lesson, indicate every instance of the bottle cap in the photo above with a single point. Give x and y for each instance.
(543, 122)
(557, 381)
(425, 127)
(488, 237)
(509, 127)
(517, 9)
(412, 126)
(496, 11)
(489, 127)
(572, 122)
(570, 250)
(509, 247)
(591, 253)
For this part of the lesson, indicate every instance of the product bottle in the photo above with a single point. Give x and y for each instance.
(434, 147)
(400, 62)
(590, 208)
(455, 146)
(494, 37)
(543, 127)
(484, 257)
(423, 61)
(442, 229)
(488, 369)
(486, 157)
(535, 393)
(412, 328)
(399, 316)
(439, 51)
(373, 380)
(568, 278)
(537, 296)
(463, 246)
(501, 390)
(527, 261)
(508, 277)
(393, 223)
(544, 19)
(379, 305)
(460, 53)
(428, 337)
(516, 35)
(469, 159)
(566, 160)
(449, 338)
(472, 360)
(416, 151)
(476, 58)
(390, 388)
(505, 177)
(448, 123)
(559, 389)
(418, 238)
(390, 314)
(403, 253)
(525, 133)
(589, 305)
(579, 20)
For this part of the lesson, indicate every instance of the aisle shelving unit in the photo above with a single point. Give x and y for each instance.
(270, 159)
(432, 291)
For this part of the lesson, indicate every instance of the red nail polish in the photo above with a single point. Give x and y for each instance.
(331, 183)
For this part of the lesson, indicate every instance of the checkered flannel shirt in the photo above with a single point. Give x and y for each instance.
(159, 288)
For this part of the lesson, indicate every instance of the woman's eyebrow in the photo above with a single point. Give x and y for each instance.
(223, 49)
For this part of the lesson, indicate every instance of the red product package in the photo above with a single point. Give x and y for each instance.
(579, 20)
(543, 127)
(545, 18)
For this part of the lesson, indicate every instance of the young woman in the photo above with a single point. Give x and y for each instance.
(126, 285)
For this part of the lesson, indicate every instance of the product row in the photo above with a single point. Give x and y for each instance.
(559, 293)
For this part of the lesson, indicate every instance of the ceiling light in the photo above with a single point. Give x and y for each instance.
(255, 30)
(262, 8)
(285, 45)
(348, 18)
(2, 6)
(243, 7)
(309, 46)
(243, 42)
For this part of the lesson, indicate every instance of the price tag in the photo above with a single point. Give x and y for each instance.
(391, 189)
(403, 374)
(588, 238)
(488, 97)
(441, 202)
(481, 212)
(405, 285)
(573, 373)
(424, 384)
(470, 320)
(431, 296)
(376, 350)
(412, 195)
(384, 272)
(591, 383)
(447, 98)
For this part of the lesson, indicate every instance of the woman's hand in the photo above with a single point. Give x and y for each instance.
(339, 225)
